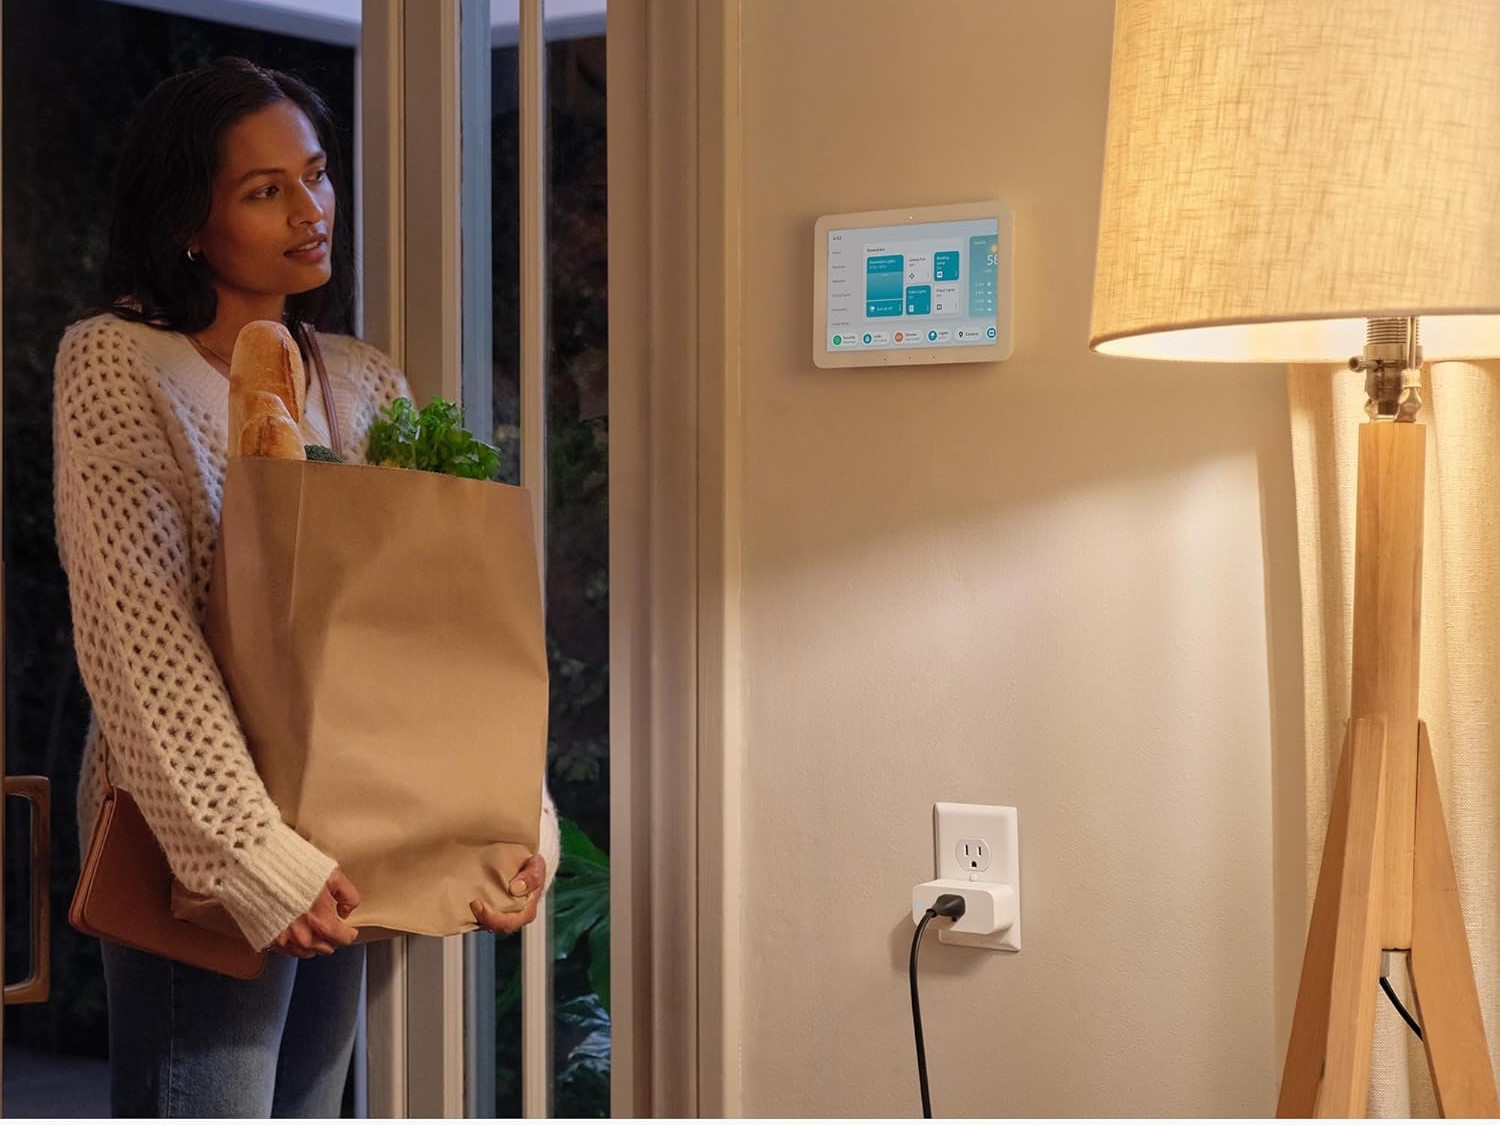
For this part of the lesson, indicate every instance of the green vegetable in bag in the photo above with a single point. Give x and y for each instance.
(433, 439)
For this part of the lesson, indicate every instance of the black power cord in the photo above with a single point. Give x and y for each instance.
(1391, 992)
(946, 906)
(1385, 970)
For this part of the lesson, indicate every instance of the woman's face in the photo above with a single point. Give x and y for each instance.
(270, 228)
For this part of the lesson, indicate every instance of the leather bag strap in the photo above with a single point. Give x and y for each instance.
(335, 436)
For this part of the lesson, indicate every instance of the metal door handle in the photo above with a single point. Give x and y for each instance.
(37, 790)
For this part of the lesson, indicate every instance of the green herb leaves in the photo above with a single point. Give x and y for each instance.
(433, 439)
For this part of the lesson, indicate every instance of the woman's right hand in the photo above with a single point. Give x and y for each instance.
(323, 929)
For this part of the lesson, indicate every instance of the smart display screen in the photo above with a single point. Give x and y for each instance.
(920, 285)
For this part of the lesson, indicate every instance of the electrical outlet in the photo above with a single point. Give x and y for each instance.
(973, 855)
(979, 844)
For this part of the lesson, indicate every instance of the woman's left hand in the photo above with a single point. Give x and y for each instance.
(529, 880)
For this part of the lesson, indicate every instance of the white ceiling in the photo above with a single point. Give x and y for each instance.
(337, 21)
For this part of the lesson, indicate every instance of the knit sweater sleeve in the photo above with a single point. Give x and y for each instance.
(169, 727)
(384, 383)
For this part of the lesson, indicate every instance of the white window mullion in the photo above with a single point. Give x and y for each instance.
(536, 968)
(413, 292)
(434, 342)
(382, 317)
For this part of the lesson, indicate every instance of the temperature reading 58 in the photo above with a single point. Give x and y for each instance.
(991, 260)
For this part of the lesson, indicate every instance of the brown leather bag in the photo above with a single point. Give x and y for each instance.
(124, 895)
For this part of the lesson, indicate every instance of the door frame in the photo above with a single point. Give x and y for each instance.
(675, 269)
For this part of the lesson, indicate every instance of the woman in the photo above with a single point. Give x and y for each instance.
(225, 213)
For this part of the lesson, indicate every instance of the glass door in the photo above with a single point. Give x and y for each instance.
(73, 72)
(540, 1043)
(577, 436)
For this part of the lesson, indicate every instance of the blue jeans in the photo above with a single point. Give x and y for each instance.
(184, 1042)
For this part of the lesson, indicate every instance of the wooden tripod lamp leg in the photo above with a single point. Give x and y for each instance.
(1387, 880)
(1328, 1058)
(1333, 1026)
(1441, 970)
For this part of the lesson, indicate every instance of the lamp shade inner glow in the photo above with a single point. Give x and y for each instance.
(1278, 171)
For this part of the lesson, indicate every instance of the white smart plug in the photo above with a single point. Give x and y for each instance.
(989, 908)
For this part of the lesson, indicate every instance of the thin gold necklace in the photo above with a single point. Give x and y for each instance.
(204, 346)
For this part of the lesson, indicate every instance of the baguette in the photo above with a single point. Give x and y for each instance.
(268, 430)
(272, 436)
(265, 360)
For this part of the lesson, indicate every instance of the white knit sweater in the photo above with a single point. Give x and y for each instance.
(139, 430)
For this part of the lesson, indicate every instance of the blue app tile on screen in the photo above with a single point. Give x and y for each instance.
(883, 276)
(918, 300)
(945, 265)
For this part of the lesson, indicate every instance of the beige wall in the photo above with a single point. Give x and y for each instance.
(1042, 583)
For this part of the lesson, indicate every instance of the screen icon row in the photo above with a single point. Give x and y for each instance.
(910, 337)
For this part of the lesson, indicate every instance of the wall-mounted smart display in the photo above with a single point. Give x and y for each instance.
(919, 285)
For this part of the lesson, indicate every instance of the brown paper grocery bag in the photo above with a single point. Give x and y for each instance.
(380, 632)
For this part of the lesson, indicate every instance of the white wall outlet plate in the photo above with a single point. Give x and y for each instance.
(979, 844)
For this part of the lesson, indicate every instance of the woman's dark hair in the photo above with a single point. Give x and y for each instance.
(164, 191)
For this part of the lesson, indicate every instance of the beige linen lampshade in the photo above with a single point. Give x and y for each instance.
(1276, 171)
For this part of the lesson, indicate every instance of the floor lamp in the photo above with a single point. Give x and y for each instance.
(1288, 181)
